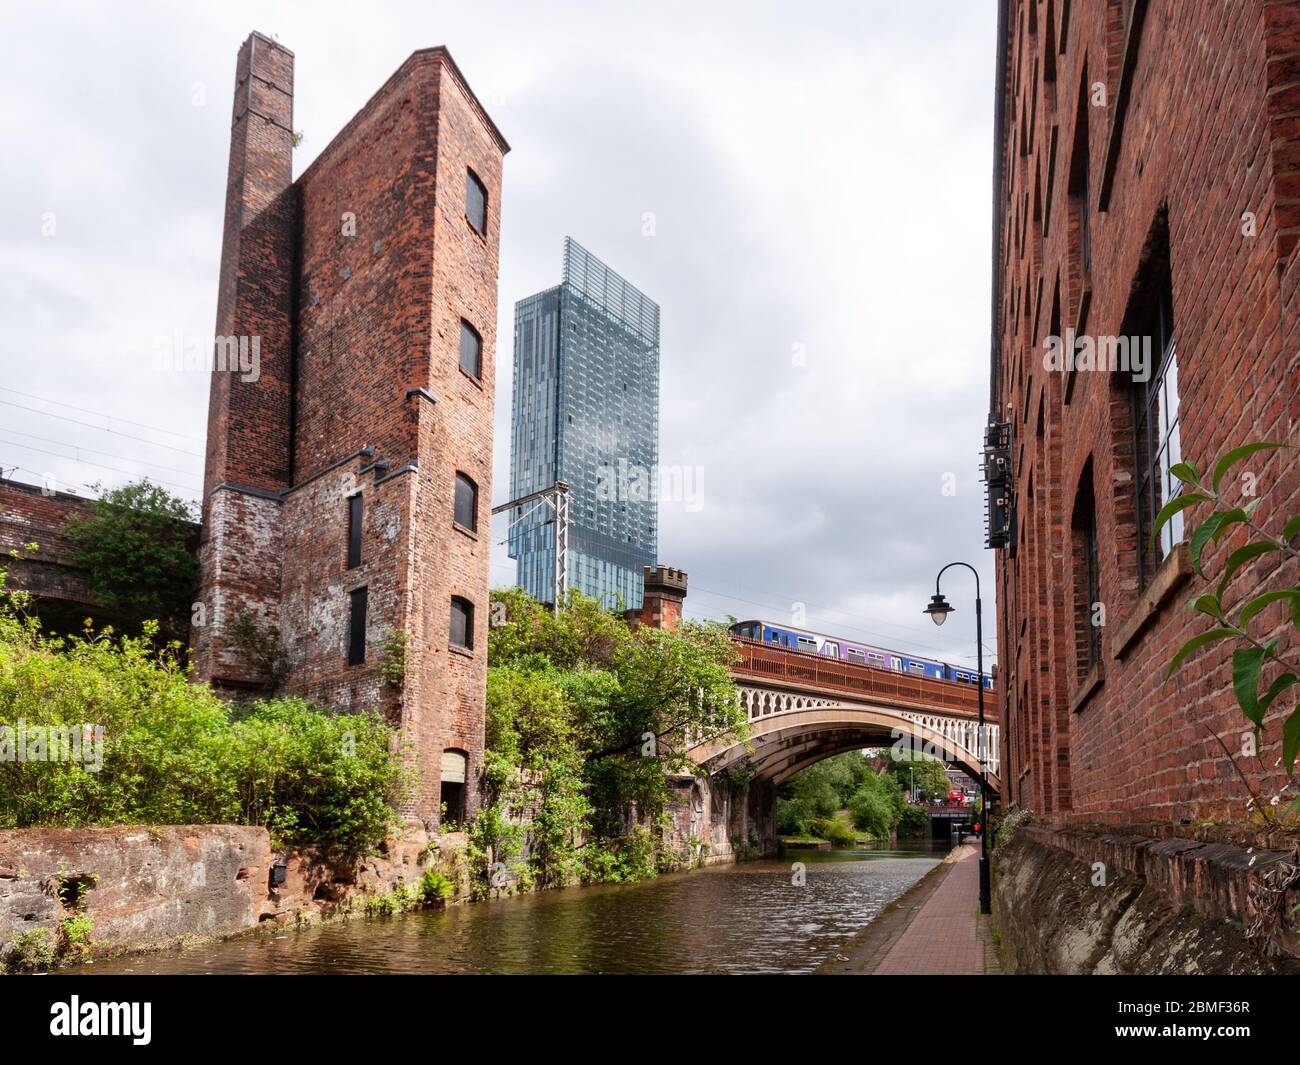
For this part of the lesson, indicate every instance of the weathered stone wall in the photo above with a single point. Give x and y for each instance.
(239, 556)
(29, 515)
(314, 886)
(713, 820)
(143, 886)
(146, 887)
(1169, 905)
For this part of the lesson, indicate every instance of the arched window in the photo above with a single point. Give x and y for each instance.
(1088, 617)
(455, 770)
(1157, 444)
(466, 512)
(471, 350)
(462, 623)
(475, 202)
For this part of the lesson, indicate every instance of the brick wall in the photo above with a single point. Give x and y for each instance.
(382, 266)
(30, 516)
(1197, 125)
(664, 593)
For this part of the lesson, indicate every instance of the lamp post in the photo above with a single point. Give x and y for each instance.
(939, 609)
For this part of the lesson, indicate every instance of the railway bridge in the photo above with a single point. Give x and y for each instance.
(802, 708)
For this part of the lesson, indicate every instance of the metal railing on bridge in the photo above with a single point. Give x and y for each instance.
(762, 660)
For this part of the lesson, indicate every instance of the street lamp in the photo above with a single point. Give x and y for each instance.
(939, 609)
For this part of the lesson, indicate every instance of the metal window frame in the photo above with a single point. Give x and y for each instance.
(467, 609)
(1148, 445)
(467, 328)
(472, 524)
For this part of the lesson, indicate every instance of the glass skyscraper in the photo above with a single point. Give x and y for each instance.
(586, 412)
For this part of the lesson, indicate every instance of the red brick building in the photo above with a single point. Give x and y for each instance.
(61, 590)
(30, 515)
(1146, 184)
(664, 591)
(348, 480)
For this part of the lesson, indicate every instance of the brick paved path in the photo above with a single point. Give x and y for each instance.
(948, 936)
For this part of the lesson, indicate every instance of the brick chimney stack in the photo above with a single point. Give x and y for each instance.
(250, 424)
(665, 588)
(249, 420)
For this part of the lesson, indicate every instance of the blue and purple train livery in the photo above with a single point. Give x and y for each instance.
(846, 651)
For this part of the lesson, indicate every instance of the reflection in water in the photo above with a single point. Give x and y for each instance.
(745, 918)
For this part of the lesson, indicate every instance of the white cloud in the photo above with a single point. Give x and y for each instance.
(819, 174)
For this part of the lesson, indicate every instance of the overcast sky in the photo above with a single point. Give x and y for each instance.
(818, 177)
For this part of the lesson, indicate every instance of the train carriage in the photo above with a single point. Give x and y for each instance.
(862, 654)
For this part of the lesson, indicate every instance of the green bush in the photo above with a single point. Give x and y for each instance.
(29, 950)
(134, 547)
(833, 829)
(173, 752)
(792, 816)
(872, 811)
(434, 887)
(912, 822)
(587, 719)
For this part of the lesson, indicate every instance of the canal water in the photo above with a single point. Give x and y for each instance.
(744, 918)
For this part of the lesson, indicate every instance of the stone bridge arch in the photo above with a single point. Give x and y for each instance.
(789, 734)
(790, 728)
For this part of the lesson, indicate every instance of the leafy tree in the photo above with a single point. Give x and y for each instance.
(928, 773)
(807, 802)
(135, 548)
(912, 822)
(877, 806)
(1254, 654)
(586, 716)
(171, 752)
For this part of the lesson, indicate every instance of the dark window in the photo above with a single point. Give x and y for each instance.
(357, 627)
(1157, 443)
(475, 202)
(462, 623)
(466, 502)
(1087, 579)
(452, 803)
(454, 771)
(471, 350)
(1079, 186)
(354, 531)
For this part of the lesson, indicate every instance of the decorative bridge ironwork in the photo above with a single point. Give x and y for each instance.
(804, 707)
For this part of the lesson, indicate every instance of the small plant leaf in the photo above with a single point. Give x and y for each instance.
(1179, 503)
(1246, 664)
(1198, 641)
(1239, 558)
(1279, 685)
(1291, 529)
(1256, 605)
(1207, 529)
(1291, 741)
(1208, 603)
(1236, 455)
(1186, 472)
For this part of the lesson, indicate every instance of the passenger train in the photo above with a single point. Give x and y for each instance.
(843, 650)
